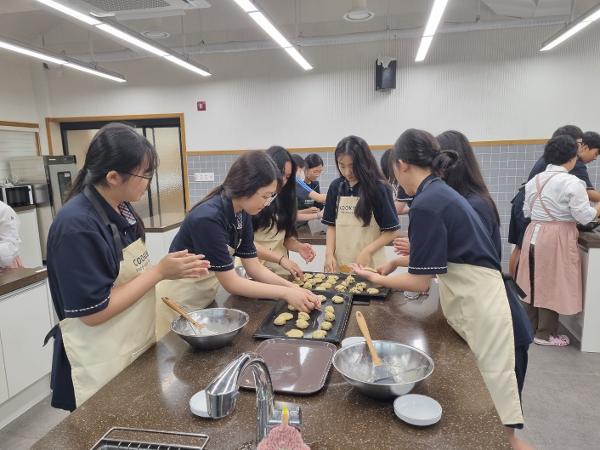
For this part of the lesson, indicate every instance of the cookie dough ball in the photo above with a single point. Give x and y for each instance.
(322, 298)
(355, 290)
(291, 308)
(372, 291)
(286, 315)
(326, 326)
(308, 276)
(319, 334)
(307, 286)
(295, 333)
(329, 316)
(350, 279)
(340, 288)
(327, 285)
(279, 320)
(302, 324)
(329, 308)
(333, 278)
(361, 285)
(337, 299)
(304, 316)
(320, 288)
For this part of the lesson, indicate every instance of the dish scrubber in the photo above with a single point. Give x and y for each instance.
(283, 436)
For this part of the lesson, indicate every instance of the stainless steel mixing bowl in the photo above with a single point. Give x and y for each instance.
(222, 325)
(409, 366)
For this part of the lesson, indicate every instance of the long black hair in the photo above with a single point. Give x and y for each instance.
(367, 172)
(462, 172)
(248, 173)
(117, 147)
(282, 212)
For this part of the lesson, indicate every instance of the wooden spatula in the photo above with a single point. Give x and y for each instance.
(182, 312)
(381, 372)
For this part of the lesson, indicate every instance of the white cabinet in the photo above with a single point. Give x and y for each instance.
(24, 322)
(30, 249)
(3, 382)
(158, 243)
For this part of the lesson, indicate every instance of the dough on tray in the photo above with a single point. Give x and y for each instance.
(295, 333)
(372, 291)
(330, 309)
(304, 316)
(326, 326)
(302, 324)
(319, 334)
(329, 316)
(337, 299)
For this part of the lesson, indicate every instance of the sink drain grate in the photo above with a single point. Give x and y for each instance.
(118, 438)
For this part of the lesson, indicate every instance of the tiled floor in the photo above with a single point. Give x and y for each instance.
(561, 402)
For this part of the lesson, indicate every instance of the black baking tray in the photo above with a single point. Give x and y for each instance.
(381, 295)
(588, 226)
(268, 330)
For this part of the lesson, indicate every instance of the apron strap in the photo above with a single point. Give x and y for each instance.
(339, 194)
(538, 194)
(51, 334)
(87, 191)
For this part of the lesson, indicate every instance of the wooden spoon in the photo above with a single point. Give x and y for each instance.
(179, 309)
(382, 373)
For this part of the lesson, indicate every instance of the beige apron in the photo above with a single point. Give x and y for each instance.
(474, 302)
(98, 353)
(273, 240)
(351, 236)
(191, 293)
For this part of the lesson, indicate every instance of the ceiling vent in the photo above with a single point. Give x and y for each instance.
(141, 9)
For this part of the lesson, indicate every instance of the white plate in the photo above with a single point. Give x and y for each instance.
(418, 409)
(198, 404)
(352, 340)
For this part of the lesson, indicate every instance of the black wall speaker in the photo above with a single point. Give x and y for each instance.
(385, 74)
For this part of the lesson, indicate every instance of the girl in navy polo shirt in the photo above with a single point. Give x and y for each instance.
(359, 209)
(275, 226)
(101, 280)
(448, 240)
(220, 227)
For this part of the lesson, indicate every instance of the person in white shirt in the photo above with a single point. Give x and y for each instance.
(550, 266)
(9, 237)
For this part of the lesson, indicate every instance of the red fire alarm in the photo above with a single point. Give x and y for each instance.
(201, 105)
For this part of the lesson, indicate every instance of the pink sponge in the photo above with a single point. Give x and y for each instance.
(283, 437)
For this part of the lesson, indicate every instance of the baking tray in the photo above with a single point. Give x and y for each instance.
(381, 295)
(269, 330)
(296, 366)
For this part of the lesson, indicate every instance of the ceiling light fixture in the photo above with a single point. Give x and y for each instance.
(359, 12)
(262, 21)
(130, 37)
(44, 55)
(437, 11)
(573, 28)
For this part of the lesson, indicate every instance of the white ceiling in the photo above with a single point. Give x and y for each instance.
(31, 22)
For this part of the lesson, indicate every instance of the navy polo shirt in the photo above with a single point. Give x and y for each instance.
(444, 228)
(402, 196)
(580, 171)
(82, 267)
(210, 227)
(384, 210)
(484, 210)
(304, 201)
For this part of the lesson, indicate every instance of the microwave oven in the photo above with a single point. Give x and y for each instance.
(16, 196)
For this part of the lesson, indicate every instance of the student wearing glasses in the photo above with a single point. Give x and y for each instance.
(101, 279)
(275, 226)
(588, 146)
(220, 228)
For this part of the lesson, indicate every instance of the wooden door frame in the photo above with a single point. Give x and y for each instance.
(53, 123)
(27, 125)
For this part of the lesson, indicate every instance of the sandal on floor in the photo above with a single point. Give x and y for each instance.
(554, 341)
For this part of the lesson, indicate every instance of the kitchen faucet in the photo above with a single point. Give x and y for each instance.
(223, 391)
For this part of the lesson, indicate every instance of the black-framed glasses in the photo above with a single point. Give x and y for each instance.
(145, 177)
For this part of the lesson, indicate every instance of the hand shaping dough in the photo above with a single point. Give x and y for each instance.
(337, 299)
(295, 333)
(319, 334)
(302, 324)
(326, 326)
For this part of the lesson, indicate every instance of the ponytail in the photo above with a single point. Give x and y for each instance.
(446, 162)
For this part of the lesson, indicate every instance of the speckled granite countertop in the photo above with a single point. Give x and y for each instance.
(13, 279)
(154, 392)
